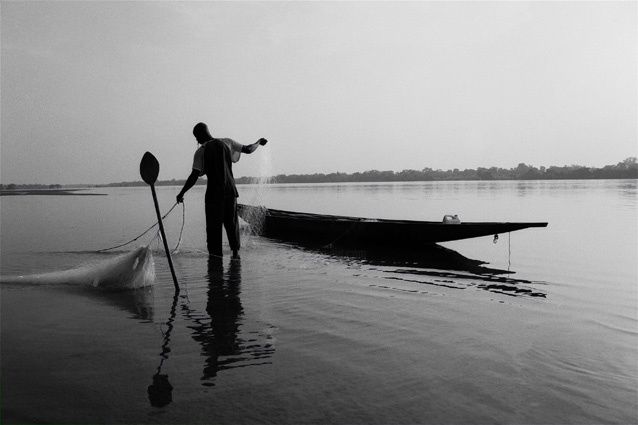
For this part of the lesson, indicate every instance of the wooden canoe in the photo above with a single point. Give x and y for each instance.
(331, 229)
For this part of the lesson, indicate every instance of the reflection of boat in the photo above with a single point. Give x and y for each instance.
(431, 265)
(342, 230)
(431, 256)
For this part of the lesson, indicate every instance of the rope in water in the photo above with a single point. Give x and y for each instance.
(151, 228)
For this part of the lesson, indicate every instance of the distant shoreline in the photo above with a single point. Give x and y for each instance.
(54, 192)
(624, 170)
(254, 180)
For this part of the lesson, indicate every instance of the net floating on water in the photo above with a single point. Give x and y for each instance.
(132, 270)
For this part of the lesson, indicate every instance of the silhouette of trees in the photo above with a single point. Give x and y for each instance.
(626, 169)
(13, 186)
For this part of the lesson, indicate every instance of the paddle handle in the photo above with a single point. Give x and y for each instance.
(161, 227)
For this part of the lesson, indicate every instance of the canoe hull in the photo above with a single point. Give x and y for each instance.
(327, 229)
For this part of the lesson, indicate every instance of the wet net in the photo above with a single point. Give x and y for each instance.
(132, 270)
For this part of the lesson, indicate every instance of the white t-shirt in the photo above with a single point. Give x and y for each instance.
(198, 159)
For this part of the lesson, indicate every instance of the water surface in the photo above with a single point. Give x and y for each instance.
(544, 332)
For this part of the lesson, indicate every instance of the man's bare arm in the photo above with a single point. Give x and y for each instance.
(190, 182)
(253, 147)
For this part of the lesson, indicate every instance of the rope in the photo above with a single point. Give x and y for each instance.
(181, 231)
(143, 233)
(509, 250)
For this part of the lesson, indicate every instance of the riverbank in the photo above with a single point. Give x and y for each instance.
(50, 192)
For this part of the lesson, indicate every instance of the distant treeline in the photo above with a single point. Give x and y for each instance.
(12, 186)
(627, 169)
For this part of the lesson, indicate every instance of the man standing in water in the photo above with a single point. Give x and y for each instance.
(214, 158)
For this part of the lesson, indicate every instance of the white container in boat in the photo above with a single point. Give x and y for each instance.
(451, 219)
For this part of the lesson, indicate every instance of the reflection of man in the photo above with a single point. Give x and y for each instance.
(214, 158)
(219, 331)
(224, 305)
(220, 336)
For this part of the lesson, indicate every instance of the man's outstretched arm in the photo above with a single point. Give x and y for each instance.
(190, 182)
(253, 147)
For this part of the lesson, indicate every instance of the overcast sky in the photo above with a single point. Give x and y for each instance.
(88, 87)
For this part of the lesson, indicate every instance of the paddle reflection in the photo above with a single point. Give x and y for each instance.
(219, 331)
(160, 392)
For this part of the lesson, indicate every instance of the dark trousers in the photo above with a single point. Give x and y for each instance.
(221, 211)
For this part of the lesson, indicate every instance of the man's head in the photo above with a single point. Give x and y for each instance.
(201, 133)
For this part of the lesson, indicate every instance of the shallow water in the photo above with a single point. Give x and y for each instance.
(294, 335)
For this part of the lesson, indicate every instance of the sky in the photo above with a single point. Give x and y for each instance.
(88, 87)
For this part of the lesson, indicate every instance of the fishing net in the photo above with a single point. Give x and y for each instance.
(132, 270)
(135, 269)
(258, 196)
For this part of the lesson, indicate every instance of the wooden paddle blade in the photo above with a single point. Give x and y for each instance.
(149, 168)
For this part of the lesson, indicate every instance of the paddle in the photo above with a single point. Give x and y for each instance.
(149, 170)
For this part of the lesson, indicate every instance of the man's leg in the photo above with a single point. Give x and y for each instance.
(231, 223)
(214, 220)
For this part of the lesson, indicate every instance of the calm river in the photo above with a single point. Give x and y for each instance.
(545, 333)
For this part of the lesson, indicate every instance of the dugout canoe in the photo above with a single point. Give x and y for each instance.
(358, 231)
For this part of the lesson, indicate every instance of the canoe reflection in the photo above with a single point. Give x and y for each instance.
(224, 345)
(431, 257)
(433, 265)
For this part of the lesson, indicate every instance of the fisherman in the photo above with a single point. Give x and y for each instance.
(214, 157)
